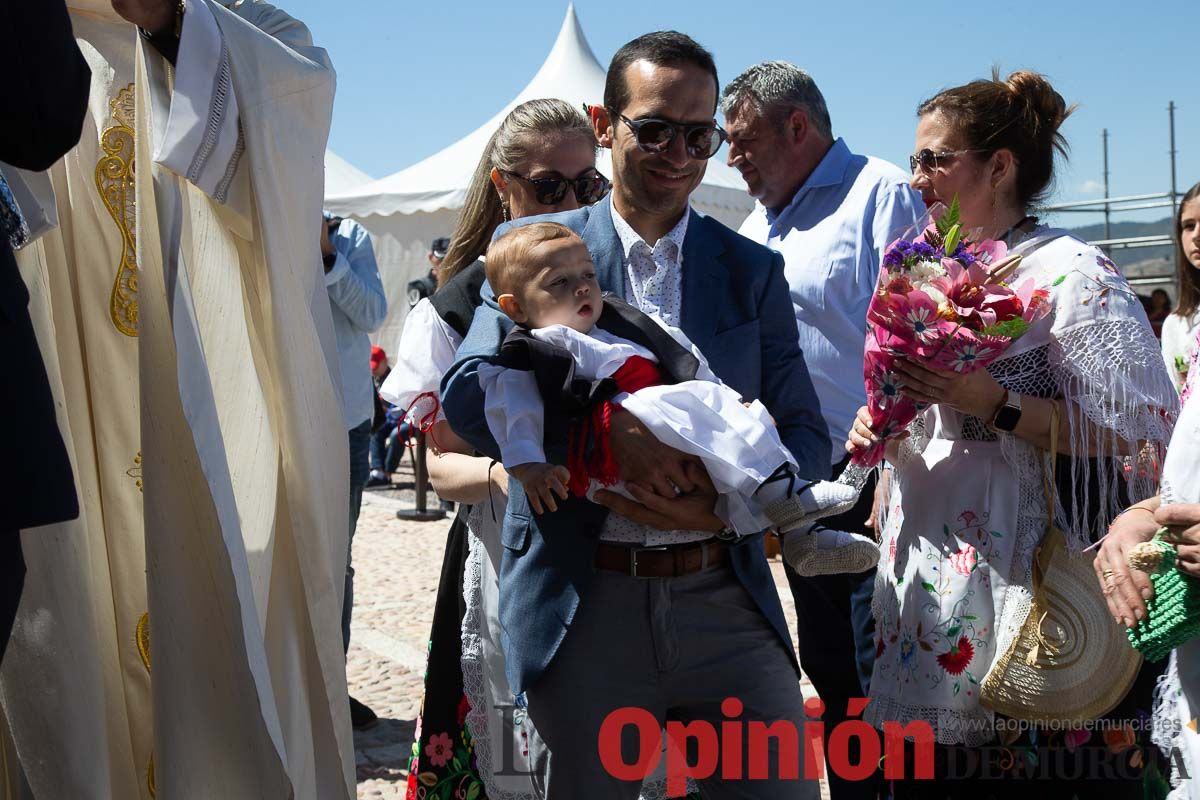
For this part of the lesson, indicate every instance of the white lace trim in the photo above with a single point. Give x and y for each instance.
(474, 681)
(1167, 733)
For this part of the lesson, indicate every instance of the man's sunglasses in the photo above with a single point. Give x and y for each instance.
(927, 161)
(655, 135)
(550, 191)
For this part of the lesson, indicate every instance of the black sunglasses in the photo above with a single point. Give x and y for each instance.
(549, 191)
(927, 160)
(655, 135)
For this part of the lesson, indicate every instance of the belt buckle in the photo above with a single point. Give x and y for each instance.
(633, 558)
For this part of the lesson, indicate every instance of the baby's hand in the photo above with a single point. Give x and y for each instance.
(542, 482)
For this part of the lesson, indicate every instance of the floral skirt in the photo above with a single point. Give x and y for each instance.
(442, 765)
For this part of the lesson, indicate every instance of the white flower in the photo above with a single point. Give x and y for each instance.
(925, 271)
(935, 294)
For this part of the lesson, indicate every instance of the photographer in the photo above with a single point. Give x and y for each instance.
(359, 307)
(426, 285)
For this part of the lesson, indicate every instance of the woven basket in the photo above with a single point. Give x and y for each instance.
(1069, 663)
(1173, 615)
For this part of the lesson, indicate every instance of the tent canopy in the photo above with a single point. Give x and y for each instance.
(341, 176)
(571, 72)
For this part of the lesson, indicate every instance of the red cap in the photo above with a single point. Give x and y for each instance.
(377, 355)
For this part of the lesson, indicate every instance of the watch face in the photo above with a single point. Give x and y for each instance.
(1007, 419)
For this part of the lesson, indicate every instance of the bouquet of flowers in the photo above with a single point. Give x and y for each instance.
(943, 301)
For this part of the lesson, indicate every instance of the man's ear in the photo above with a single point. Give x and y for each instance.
(797, 126)
(601, 125)
(511, 307)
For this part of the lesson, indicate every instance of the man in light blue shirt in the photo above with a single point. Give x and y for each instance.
(358, 306)
(831, 214)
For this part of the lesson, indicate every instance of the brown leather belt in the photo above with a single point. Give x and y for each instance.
(661, 562)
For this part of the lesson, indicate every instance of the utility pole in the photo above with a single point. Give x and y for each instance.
(1174, 190)
(1107, 213)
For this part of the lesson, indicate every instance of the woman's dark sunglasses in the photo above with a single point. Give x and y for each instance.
(550, 191)
(655, 135)
(928, 161)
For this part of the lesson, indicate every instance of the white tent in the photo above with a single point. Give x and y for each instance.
(341, 176)
(405, 211)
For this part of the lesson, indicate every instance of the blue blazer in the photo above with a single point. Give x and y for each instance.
(737, 309)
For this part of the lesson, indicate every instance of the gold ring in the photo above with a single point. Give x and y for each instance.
(1108, 573)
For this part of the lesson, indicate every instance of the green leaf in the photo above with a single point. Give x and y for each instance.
(473, 792)
(970, 616)
(900, 580)
(456, 765)
(1013, 328)
(952, 239)
(1059, 280)
(956, 688)
(953, 631)
(949, 219)
(929, 587)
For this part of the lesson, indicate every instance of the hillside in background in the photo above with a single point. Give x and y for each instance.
(1123, 229)
(1138, 262)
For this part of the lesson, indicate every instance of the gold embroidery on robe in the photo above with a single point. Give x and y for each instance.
(114, 180)
(142, 638)
(135, 471)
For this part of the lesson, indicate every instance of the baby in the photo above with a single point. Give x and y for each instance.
(544, 280)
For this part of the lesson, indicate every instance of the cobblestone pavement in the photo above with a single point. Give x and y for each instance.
(397, 563)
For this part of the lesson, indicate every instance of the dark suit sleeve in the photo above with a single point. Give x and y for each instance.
(48, 83)
(787, 390)
(462, 396)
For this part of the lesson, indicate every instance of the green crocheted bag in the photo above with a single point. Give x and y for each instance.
(1174, 614)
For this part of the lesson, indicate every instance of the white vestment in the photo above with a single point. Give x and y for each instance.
(182, 636)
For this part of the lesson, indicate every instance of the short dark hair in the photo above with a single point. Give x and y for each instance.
(661, 48)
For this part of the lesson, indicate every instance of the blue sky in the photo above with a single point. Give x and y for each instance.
(413, 76)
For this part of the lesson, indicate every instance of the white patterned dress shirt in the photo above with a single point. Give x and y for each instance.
(654, 284)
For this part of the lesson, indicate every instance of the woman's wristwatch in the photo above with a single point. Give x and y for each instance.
(1008, 414)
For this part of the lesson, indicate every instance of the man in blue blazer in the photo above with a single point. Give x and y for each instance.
(653, 604)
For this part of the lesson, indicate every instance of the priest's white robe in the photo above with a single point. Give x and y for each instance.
(182, 637)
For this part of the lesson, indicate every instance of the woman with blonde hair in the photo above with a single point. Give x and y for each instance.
(541, 159)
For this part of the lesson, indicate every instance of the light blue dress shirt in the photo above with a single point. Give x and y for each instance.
(832, 236)
(359, 306)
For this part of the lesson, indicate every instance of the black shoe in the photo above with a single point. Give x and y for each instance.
(378, 480)
(361, 717)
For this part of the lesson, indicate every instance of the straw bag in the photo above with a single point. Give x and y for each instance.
(1070, 662)
(1173, 614)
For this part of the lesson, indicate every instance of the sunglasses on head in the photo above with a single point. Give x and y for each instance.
(655, 135)
(927, 160)
(550, 191)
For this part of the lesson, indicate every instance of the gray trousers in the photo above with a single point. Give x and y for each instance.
(677, 648)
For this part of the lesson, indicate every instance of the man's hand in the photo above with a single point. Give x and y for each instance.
(690, 511)
(156, 17)
(542, 482)
(1182, 521)
(326, 244)
(645, 460)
